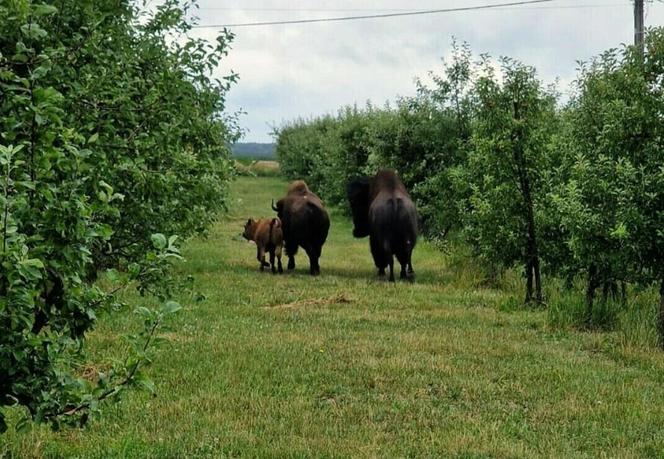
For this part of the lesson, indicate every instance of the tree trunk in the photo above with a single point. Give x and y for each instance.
(661, 313)
(538, 278)
(532, 253)
(529, 283)
(593, 283)
(609, 288)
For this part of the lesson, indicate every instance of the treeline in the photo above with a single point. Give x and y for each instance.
(253, 150)
(112, 141)
(569, 191)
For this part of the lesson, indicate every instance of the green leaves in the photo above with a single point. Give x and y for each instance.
(612, 203)
(110, 138)
(42, 9)
(33, 31)
(159, 241)
(170, 307)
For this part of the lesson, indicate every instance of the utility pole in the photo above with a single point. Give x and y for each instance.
(639, 31)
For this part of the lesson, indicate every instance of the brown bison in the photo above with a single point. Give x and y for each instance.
(305, 223)
(383, 210)
(269, 237)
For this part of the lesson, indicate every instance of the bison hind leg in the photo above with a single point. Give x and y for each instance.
(379, 256)
(280, 268)
(260, 256)
(391, 264)
(406, 266)
(291, 250)
(274, 268)
(313, 252)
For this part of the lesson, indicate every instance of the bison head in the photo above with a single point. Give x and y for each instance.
(249, 229)
(358, 196)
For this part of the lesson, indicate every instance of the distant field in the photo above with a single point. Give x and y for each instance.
(344, 365)
(258, 168)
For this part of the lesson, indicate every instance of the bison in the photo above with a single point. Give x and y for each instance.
(305, 224)
(382, 209)
(268, 236)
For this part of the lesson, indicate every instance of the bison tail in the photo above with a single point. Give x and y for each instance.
(274, 223)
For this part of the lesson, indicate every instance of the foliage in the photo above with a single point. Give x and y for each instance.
(514, 121)
(110, 135)
(613, 201)
(327, 151)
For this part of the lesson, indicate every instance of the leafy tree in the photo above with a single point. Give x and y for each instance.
(111, 134)
(445, 111)
(509, 145)
(613, 204)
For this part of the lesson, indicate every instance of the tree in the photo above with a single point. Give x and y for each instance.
(111, 134)
(509, 150)
(613, 204)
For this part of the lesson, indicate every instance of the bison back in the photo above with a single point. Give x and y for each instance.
(305, 221)
(393, 221)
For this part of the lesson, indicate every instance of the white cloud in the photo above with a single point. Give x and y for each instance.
(288, 71)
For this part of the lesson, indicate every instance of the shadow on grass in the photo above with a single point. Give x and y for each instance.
(369, 275)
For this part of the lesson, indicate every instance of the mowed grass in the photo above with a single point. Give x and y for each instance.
(344, 365)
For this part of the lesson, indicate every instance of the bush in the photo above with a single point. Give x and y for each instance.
(111, 134)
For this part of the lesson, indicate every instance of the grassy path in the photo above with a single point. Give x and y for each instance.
(343, 365)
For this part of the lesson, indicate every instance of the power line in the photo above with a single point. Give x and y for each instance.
(375, 16)
(378, 10)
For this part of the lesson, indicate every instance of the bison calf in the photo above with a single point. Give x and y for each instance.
(268, 236)
(383, 210)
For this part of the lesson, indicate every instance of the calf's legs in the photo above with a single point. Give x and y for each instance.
(260, 255)
(276, 253)
(274, 269)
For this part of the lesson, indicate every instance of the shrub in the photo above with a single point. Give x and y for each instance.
(111, 134)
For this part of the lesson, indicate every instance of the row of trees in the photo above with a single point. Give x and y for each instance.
(111, 135)
(568, 190)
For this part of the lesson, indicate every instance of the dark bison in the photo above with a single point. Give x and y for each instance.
(383, 210)
(305, 224)
(268, 236)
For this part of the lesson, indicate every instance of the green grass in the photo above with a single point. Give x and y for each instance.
(344, 365)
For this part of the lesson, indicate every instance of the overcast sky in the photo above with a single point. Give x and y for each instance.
(287, 71)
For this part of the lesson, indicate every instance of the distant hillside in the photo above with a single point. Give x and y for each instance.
(254, 150)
